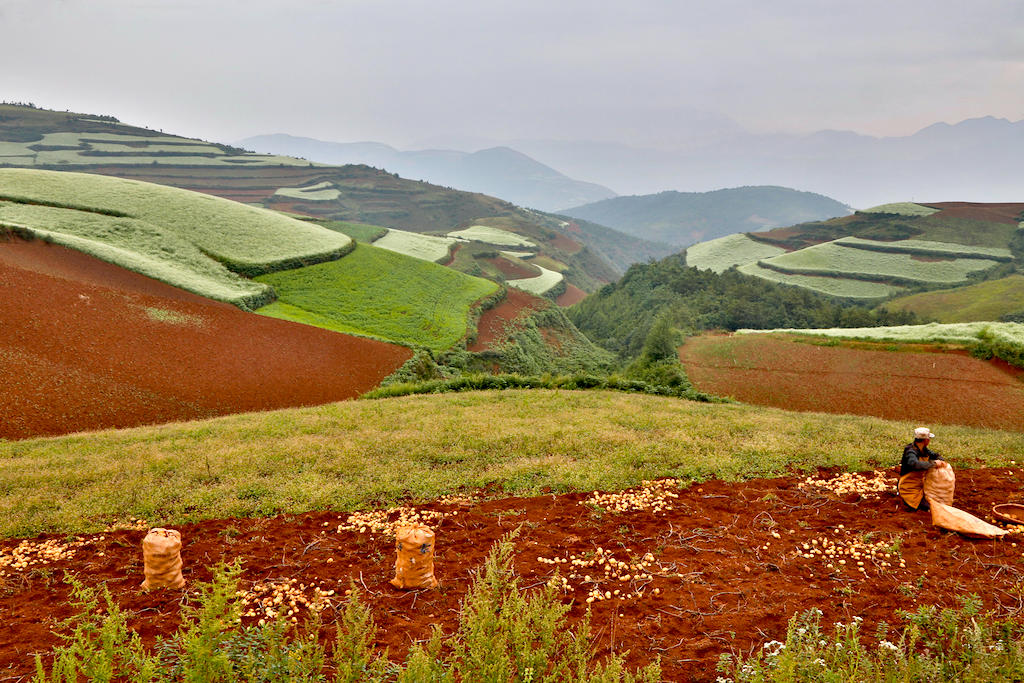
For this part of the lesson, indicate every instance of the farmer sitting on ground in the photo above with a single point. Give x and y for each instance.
(917, 459)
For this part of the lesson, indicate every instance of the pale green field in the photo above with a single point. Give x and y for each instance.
(321, 192)
(831, 258)
(241, 236)
(426, 247)
(846, 288)
(720, 254)
(489, 235)
(518, 254)
(928, 248)
(1012, 333)
(358, 454)
(540, 284)
(902, 208)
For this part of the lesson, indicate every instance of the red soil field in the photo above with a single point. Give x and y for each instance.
(995, 213)
(725, 583)
(493, 327)
(571, 295)
(566, 244)
(511, 270)
(949, 388)
(87, 345)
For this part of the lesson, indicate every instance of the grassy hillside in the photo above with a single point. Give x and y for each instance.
(378, 293)
(990, 300)
(682, 218)
(65, 141)
(622, 315)
(190, 240)
(355, 454)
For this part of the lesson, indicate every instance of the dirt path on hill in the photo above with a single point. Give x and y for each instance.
(724, 571)
(926, 387)
(87, 345)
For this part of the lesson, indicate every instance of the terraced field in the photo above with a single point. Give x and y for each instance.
(426, 247)
(189, 240)
(540, 284)
(835, 286)
(984, 301)
(378, 293)
(732, 250)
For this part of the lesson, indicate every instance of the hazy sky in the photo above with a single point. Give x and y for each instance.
(416, 72)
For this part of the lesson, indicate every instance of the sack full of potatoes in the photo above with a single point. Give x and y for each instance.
(414, 567)
(161, 552)
(939, 483)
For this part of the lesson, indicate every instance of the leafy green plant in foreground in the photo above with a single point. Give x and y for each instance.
(504, 634)
(935, 645)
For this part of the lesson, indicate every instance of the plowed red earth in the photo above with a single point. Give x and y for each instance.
(87, 345)
(995, 213)
(949, 388)
(495, 323)
(571, 295)
(510, 270)
(725, 582)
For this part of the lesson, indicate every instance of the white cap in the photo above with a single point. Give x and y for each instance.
(923, 433)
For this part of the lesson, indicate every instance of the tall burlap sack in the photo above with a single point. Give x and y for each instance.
(414, 567)
(939, 483)
(953, 519)
(161, 552)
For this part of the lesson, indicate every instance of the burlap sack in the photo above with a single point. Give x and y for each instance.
(962, 522)
(161, 552)
(414, 567)
(939, 483)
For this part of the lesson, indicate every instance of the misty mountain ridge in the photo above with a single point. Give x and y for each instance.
(496, 171)
(974, 160)
(683, 218)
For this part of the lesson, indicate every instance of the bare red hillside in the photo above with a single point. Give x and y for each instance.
(995, 213)
(88, 345)
(495, 323)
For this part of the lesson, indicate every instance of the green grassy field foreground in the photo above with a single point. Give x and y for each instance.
(362, 453)
(381, 294)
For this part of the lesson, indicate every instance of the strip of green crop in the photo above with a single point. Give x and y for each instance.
(833, 286)
(356, 454)
(732, 250)
(928, 248)
(378, 293)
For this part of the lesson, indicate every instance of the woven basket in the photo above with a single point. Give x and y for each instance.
(1009, 512)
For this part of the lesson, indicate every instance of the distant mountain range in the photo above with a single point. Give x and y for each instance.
(498, 171)
(977, 160)
(683, 218)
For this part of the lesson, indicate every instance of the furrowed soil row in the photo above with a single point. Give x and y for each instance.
(683, 574)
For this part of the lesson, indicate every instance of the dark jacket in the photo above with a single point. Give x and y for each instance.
(912, 461)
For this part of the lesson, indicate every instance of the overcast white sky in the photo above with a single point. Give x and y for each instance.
(415, 72)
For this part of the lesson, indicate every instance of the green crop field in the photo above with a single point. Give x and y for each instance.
(928, 248)
(833, 258)
(248, 240)
(356, 454)
(361, 232)
(489, 235)
(732, 250)
(902, 209)
(540, 284)
(426, 247)
(847, 288)
(983, 301)
(378, 293)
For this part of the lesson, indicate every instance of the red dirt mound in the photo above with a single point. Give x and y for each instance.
(773, 371)
(995, 213)
(511, 270)
(495, 322)
(87, 345)
(725, 573)
(571, 295)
